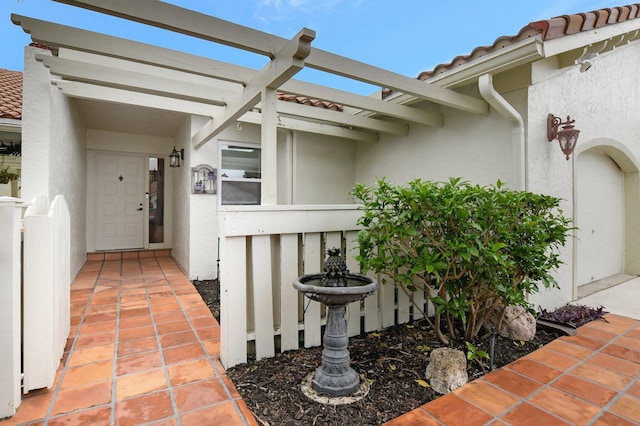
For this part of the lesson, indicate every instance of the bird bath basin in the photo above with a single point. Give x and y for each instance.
(335, 287)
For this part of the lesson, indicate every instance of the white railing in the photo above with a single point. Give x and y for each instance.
(262, 250)
(46, 290)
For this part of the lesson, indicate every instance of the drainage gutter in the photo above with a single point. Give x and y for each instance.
(518, 137)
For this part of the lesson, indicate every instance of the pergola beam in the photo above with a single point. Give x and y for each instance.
(184, 21)
(139, 82)
(392, 127)
(341, 97)
(90, 42)
(89, 91)
(288, 61)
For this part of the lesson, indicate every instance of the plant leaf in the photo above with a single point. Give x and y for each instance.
(422, 383)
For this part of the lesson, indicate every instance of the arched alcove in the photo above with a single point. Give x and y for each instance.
(606, 212)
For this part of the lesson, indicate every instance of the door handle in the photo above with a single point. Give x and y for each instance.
(140, 208)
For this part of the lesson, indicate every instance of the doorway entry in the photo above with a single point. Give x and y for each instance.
(119, 201)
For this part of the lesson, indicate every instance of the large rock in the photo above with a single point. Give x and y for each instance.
(518, 324)
(447, 370)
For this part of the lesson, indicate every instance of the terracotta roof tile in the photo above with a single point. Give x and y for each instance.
(308, 101)
(549, 29)
(10, 94)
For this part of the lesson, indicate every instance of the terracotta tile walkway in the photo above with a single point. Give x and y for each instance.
(144, 349)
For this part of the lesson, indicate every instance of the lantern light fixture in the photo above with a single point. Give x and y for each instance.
(567, 137)
(175, 157)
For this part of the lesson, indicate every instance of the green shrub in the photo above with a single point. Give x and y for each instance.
(469, 247)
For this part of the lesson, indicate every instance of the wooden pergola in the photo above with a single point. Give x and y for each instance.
(228, 93)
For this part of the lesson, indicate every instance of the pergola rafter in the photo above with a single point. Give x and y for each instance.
(134, 81)
(184, 21)
(75, 39)
(86, 41)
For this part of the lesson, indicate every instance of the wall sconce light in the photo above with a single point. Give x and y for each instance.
(567, 137)
(175, 157)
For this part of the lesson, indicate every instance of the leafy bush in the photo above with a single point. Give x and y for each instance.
(469, 247)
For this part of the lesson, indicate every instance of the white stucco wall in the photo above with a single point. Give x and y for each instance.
(180, 199)
(605, 102)
(475, 147)
(323, 169)
(54, 150)
(128, 142)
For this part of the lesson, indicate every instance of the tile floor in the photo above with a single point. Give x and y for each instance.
(144, 349)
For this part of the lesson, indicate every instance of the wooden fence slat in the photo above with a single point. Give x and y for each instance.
(353, 309)
(418, 299)
(262, 296)
(312, 256)
(10, 306)
(233, 298)
(62, 273)
(288, 294)
(38, 321)
(404, 305)
(332, 239)
(387, 303)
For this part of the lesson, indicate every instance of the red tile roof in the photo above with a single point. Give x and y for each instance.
(307, 101)
(549, 29)
(10, 94)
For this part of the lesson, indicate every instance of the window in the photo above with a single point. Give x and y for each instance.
(240, 176)
(156, 200)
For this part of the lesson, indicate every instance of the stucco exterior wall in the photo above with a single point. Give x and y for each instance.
(604, 101)
(128, 142)
(476, 148)
(181, 200)
(54, 150)
(323, 169)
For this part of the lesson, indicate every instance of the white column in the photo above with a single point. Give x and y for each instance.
(10, 215)
(269, 137)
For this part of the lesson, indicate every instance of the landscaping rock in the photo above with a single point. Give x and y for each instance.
(447, 370)
(518, 324)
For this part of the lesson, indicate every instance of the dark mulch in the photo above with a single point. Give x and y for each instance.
(392, 360)
(210, 292)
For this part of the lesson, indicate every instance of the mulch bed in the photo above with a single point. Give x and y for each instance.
(392, 360)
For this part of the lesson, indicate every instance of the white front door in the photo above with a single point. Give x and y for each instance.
(119, 199)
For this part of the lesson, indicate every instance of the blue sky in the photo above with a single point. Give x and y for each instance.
(404, 36)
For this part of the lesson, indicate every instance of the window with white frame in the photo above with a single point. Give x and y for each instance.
(239, 174)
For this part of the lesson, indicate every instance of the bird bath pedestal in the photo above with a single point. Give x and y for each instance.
(335, 287)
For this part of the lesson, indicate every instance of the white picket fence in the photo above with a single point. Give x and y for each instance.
(10, 272)
(262, 250)
(46, 290)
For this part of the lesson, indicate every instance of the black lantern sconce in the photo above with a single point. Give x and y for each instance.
(175, 157)
(567, 137)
